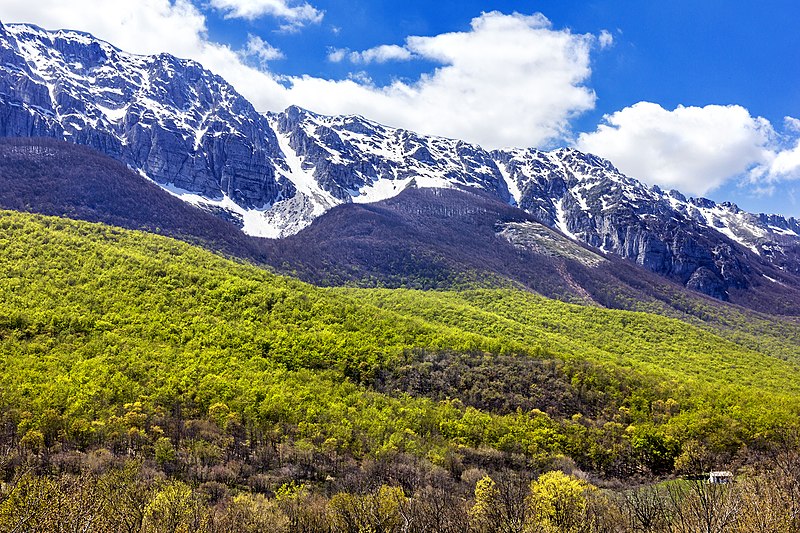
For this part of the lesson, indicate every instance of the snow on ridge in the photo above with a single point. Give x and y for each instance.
(377, 162)
(783, 231)
(20, 29)
(724, 221)
(303, 179)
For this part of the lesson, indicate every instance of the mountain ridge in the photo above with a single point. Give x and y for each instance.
(274, 173)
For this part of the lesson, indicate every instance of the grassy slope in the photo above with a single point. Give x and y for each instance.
(93, 318)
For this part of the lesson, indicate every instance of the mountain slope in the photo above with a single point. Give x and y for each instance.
(450, 238)
(57, 178)
(273, 174)
(127, 337)
(422, 238)
(170, 118)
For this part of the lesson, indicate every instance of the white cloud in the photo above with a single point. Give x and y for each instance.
(381, 54)
(510, 81)
(785, 164)
(144, 27)
(605, 39)
(297, 14)
(337, 55)
(151, 27)
(261, 50)
(792, 123)
(693, 149)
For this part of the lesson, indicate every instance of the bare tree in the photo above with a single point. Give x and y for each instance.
(647, 508)
(704, 507)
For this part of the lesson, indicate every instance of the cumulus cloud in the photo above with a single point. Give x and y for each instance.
(792, 123)
(337, 55)
(381, 54)
(296, 14)
(152, 27)
(510, 80)
(605, 39)
(261, 50)
(694, 149)
(785, 164)
(144, 27)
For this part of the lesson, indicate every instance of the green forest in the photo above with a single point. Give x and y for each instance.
(150, 385)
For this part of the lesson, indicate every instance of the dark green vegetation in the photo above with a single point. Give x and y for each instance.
(183, 380)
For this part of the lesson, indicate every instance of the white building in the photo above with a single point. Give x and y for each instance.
(720, 476)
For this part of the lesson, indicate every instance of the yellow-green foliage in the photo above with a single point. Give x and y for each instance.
(103, 330)
(669, 348)
(558, 502)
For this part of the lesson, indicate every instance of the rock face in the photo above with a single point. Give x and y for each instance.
(591, 201)
(170, 118)
(352, 158)
(273, 174)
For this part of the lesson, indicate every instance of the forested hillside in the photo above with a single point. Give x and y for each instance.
(147, 383)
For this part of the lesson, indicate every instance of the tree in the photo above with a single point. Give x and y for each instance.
(646, 508)
(704, 507)
(499, 506)
(382, 511)
(173, 508)
(558, 502)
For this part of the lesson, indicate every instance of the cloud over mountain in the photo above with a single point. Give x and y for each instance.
(513, 72)
(505, 80)
(694, 149)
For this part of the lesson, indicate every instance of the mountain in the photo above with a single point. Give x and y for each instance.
(706, 247)
(451, 238)
(426, 238)
(273, 174)
(170, 118)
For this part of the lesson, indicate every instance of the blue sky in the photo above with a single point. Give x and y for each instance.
(687, 94)
(677, 52)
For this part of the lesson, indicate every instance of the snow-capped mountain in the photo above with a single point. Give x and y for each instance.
(178, 123)
(273, 174)
(334, 160)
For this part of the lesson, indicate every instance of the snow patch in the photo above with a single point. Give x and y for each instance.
(379, 190)
(773, 280)
(511, 184)
(255, 221)
(783, 231)
(722, 220)
(581, 200)
(113, 115)
(561, 220)
(303, 179)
